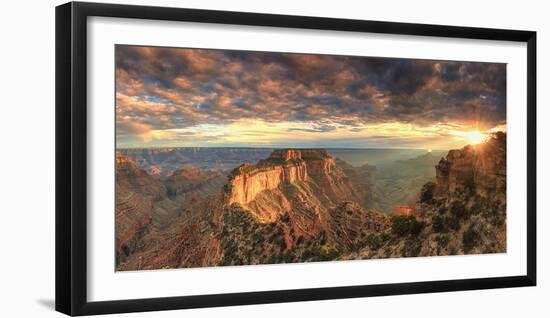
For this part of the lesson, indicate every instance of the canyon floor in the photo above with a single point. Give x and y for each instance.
(196, 207)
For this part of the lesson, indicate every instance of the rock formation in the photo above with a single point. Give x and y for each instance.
(467, 204)
(136, 194)
(289, 178)
(303, 205)
(479, 170)
(249, 180)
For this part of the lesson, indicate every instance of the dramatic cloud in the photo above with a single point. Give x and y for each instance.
(170, 97)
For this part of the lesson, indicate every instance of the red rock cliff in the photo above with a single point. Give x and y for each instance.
(283, 166)
(291, 180)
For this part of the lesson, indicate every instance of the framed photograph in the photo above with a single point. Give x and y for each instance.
(208, 158)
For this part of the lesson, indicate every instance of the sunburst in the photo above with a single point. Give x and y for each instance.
(473, 137)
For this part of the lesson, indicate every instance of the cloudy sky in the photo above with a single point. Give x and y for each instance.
(216, 98)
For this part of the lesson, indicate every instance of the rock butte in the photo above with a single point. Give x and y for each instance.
(282, 167)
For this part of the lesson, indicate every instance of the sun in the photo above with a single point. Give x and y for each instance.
(472, 137)
(475, 137)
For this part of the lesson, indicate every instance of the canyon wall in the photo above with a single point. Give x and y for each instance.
(479, 170)
(304, 206)
(136, 194)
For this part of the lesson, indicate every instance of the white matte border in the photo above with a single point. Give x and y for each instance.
(106, 284)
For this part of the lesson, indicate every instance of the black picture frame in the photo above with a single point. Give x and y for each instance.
(71, 157)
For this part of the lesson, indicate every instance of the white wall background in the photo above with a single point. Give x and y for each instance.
(27, 158)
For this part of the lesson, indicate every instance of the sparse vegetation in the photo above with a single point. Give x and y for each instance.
(376, 241)
(458, 210)
(442, 241)
(373, 241)
(452, 222)
(412, 247)
(438, 224)
(427, 192)
(470, 238)
(328, 252)
(406, 225)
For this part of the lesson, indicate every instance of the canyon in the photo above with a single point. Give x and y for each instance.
(306, 205)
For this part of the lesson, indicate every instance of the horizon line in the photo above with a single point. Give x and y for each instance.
(298, 148)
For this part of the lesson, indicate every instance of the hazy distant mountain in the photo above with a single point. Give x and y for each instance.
(163, 161)
(376, 157)
(396, 183)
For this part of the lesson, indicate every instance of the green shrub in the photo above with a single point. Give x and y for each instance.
(406, 225)
(438, 224)
(328, 252)
(470, 238)
(285, 217)
(384, 237)
(229, 254)
(373, 241)
(458, 210)
(453, 250)
(442, 241)
(258, 237)
(322, 237)
(481, 205)
(280, 241)
(412, 247)
(244, 228)
(416, 227)
(287, 257)
(427, 192)
(452, 222)
(311, 254)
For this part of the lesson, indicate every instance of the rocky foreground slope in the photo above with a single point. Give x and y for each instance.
(304, 205)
